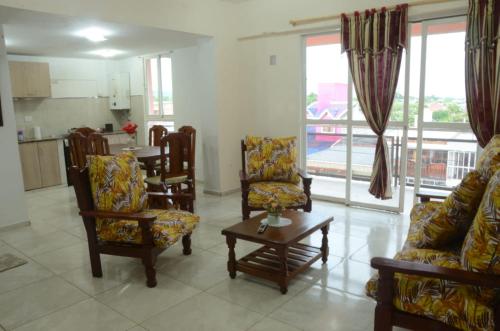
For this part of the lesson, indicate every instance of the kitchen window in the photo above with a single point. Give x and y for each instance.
(159, 101)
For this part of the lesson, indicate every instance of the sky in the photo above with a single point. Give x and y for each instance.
(445, 66)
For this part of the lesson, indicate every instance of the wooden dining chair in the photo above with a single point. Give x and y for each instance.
(156, 132)
(191, 154)
(85, 131)
(78, 149)
(173, 171)
(98, 144)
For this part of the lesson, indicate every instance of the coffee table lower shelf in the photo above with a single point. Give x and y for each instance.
(266, 262)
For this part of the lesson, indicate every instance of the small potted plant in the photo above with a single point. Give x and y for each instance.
(131, 129)
(274, 209)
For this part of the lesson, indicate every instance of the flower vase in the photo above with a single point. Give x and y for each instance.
(131, 142)
(273, 219)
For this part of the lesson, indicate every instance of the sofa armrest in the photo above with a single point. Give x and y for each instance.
(391, 266)
(243, 176)
(118, 215)
(426, 197)
(303, 174)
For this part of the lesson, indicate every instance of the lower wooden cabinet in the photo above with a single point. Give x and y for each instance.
(40, 164)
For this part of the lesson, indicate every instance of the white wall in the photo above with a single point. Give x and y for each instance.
(12, 200)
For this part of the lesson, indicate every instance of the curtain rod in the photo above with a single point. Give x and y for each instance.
(322, 28)
(313, 20)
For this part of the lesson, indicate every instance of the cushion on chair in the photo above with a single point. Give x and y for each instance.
(168, 181)
(169, 226)
(481, 248)
(289, 195)
(271, 159)
(435, 224)
(489, 161)
(449, 302)
(116, 183)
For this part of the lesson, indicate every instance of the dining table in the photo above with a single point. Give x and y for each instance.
(148, 155)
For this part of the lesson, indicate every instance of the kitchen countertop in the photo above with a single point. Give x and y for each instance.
(33, 140)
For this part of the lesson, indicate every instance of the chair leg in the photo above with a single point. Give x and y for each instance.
(186, 244)
(149, 262)
(95, 261)
(245, 211)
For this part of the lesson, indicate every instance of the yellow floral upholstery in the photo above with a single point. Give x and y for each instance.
(435, 224)
(489, 161)
(117, 185)
(454, 304)
(169, 226)
(271, 159)
(481, 249)
(288, 194)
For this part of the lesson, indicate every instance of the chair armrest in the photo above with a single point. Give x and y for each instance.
(175, 197)
(426, 197)
(119, 216)
(430, 271)
(303, 174)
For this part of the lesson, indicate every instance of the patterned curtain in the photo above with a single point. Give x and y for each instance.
(482, 69)
(374, 43)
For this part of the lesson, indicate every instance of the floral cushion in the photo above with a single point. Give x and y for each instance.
(169, 226)
(435, 224)
(116, 183)
(289, 195)
(489, 161)
(449, 302)
(481, 248)
(271, 159)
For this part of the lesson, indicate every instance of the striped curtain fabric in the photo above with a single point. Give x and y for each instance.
(374, 42)
(482, 68)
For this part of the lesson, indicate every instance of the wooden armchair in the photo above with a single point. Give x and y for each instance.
(289, 193)
(146, 249)
(78, 149)
(85, 131)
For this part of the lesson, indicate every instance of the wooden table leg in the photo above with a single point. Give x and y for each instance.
(231, 263)
(150, 167)
(283, 256)
(324, 244)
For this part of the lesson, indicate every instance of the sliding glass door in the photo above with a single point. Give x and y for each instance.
(430, 142)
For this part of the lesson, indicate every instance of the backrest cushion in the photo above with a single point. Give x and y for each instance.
(271, 159)
(481, 248)
(116, 183)
(435, 225)
(489, 161)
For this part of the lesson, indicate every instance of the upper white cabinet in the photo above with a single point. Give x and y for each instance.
(119, 91)
(30, 79)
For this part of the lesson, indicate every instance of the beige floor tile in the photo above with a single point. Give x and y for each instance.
(207, 236)
(138, 302)
(28, 303)
(378, 247)
(339, 245)
(65, 259)
(268, 324)
(349, 276)
(201, 269)
(321, 308)
(88, 315)
(45, 243)
(241, 249)
(137, 328)
(319, 270)
(203, 312)
(255, 294)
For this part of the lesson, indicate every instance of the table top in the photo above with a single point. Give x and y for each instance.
(303, 225)
(145, 152)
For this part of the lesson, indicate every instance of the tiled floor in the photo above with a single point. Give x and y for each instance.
(55, 289)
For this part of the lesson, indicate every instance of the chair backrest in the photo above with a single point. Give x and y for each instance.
(191, 133)
(98, 144)
(175, 143)
(243, 156)
(85, 131)
(81, 184)
(156, 132)
(78, 149)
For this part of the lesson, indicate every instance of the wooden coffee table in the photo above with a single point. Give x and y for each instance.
(282, 257)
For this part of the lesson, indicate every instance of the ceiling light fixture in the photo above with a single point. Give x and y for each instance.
(106, 52)
(94, 34)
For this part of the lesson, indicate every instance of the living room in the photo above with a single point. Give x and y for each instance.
(249, 123)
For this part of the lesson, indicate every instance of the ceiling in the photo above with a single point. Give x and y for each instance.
(41, 34)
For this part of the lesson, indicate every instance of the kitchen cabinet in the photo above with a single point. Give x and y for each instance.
(30, 79)
(40, 164)
(119, 91)
(117, 138)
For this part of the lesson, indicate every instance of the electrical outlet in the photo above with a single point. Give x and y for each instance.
(28, 119)
(273, 60)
